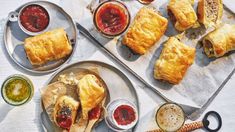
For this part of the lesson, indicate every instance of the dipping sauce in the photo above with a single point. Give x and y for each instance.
(170, 117)
(94, 113)
(121, 115)
(64, 119)
(124, 115)
(17, 90)
(111, 18)
(64, 122)
(34, 18)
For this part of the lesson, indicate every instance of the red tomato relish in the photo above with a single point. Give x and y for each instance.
(111, 19)
(64, 121)
(124, 115)
(94, 113)
(34, 18)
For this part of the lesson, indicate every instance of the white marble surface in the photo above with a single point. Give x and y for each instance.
(26, 118)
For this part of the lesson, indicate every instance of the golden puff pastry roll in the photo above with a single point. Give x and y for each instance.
(182, 14)
(210, 12)
(220, 41)
(65, 111)
(174, 61)
(147, 28)
(91, 92)
(48, 46)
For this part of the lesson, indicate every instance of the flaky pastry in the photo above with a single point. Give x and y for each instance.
(182, 14)
(48, 46)
(220, 41)
(65, 109)
(210, 12)
(174, 61)
(91, 93)
(147, 28)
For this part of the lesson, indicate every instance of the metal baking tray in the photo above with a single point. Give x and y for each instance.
(204, 79)
(14, 38)
(120, 88)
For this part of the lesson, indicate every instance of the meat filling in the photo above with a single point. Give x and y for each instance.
(171, 15)
(212, 8)
(208, 48)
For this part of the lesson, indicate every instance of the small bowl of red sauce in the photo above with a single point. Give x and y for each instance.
(111, 18)
(121, 115)
(145, 2)
(33, 19)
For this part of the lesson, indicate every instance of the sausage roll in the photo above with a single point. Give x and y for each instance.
(210, 12)
(91, 92)
(48, 46)
(147, 28)
(174, 61)
(182, 14)
(65, 112)
(220, 41)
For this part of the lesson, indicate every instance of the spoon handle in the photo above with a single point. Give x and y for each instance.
(90, 125)
(185, 128)
(156, 130)
(191, 126)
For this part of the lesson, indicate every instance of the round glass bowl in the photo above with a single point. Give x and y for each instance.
(17, 90)
(121, 115)
(145, 2)
(170, 117)
(33, 19)
(111, 18)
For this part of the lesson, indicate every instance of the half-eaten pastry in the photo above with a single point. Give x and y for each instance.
(91, 92)
(65, 112)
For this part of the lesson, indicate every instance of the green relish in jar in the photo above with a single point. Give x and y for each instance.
(17, 90)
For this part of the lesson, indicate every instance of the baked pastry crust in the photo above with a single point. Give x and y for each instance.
(183, 13)
(210, 12)
(48, 46)
(220, 41)
(174, 61)
(66, 101)
(147, 28)
(91, 92)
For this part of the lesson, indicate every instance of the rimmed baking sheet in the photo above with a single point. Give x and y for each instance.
(203, 79)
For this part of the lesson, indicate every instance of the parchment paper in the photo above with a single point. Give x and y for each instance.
(202, 79)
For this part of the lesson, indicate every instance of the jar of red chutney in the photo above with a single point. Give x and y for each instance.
(33, 19)
(122, 115)
(111, 18)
